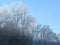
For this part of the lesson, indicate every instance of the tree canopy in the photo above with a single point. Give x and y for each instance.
(17, 23)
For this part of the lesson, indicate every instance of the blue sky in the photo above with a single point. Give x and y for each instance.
(47, 12)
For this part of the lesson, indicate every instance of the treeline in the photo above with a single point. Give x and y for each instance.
(42, 42)
(18, 27)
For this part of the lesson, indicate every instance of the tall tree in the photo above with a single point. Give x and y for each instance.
(16, 23)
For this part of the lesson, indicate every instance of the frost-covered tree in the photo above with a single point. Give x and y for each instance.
(16, 23)
(45, 33)
(58, 37)
(18, 27)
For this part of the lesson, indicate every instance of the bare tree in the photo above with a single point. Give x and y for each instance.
(16, 23)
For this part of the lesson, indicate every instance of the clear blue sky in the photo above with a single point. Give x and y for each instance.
(47, 12)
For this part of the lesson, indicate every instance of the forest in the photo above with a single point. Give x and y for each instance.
(18, 27)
